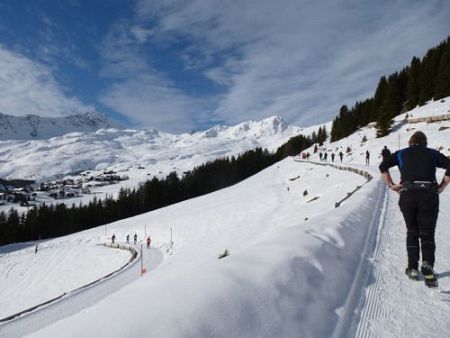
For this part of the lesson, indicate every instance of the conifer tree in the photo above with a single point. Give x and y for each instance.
(384, 123)
(412, 84)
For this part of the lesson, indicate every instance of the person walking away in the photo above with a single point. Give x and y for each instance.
(325, 156)
(128, 238)
(341, 155)
(332, 157)
(148, 242)
(419, 200)
(367, 157)
(320, 156)
(113, 238)
(385, 153)
(135, 238)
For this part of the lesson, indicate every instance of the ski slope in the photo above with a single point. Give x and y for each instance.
(298, 266)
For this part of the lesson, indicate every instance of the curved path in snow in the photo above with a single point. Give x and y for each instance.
(78, 300)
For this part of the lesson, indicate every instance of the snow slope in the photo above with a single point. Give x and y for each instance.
(275, 257)
(297, 266)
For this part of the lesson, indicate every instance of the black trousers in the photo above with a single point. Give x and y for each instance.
(420, 210)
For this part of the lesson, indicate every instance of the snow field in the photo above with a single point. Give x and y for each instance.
(280, 268)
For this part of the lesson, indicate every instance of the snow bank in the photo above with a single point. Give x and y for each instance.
(276, 282)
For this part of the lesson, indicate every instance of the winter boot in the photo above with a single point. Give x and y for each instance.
(429, 275)
(412, 273)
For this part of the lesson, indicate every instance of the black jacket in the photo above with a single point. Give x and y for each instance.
(417, 163)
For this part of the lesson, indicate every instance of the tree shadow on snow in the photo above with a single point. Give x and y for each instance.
(8, 248)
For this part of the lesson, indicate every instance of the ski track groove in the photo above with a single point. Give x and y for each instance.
(371, 303)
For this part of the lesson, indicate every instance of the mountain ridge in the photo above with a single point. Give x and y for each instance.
(35, 127)
(123, 149)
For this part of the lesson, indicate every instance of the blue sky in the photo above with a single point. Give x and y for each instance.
(179, 65)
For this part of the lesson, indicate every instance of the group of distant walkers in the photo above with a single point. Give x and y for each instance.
(135, 238)
(324, 156)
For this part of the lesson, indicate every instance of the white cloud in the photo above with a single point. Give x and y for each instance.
(299, 59)
(137, 90)
(150, 103)
(29, 87)
(141, 33)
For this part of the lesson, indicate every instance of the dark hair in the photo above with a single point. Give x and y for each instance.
(418, 138)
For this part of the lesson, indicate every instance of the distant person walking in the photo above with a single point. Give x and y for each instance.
(385, 153)
(367, 157)
(341, 155)
(320, 156)
(135, 238)
(128, 238)
(332, 157)
(148, 242)
(419, 200)
(325, 156)
(113, 238)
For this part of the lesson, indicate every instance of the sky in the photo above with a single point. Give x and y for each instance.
(183, 65)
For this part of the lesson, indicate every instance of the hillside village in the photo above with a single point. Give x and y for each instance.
(30, 194)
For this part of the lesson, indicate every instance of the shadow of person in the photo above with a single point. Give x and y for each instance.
(443, 274)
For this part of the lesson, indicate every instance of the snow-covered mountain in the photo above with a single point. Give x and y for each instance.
(128, 149)
(297, 265)
(35, 127)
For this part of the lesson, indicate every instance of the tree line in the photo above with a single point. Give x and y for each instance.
(48, 221)
(401, 91)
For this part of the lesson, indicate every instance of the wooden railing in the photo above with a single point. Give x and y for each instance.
(363, 173)
(429, 119)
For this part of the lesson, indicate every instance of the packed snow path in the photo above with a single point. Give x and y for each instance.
(395, 306)
(75, 301)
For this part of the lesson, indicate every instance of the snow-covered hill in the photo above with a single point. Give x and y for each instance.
(34, 127)
(298, 266)
(126, 149)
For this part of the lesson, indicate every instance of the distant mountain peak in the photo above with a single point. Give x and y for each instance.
(32, 126)
(270, 126)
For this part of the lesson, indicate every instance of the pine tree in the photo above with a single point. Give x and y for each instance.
(412, 84)
(384, 123)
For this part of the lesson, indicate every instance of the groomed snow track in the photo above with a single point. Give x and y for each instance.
(352, 318)
(41, 315)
